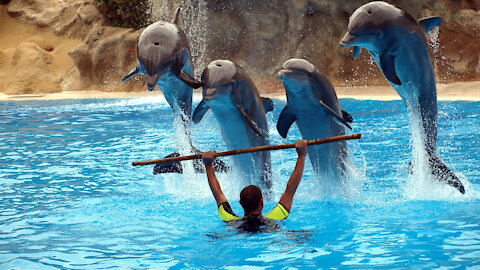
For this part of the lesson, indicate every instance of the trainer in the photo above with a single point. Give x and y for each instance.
(251, 197)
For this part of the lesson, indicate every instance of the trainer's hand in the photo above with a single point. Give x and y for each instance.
(301, 146)
(208, 157)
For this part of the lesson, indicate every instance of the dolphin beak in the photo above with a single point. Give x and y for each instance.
(348, 38)
(152, 81)
(283, 73)
(209, 92)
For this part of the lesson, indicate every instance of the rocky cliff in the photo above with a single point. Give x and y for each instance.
(258, 35)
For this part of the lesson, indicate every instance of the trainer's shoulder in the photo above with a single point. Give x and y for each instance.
(279, 212)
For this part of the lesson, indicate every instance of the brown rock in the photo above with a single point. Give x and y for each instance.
(31, 71)
(73, 18)
(106, 55)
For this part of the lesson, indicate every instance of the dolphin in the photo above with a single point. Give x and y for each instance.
(163, 55)
(241, 114)
(312, 103)
(397, 43)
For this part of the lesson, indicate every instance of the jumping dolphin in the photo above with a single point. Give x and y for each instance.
(241, 114)
(396, 41)
(312, 103)
(163, 55)
(164, 59)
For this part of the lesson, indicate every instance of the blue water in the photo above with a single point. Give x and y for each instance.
(70, 198)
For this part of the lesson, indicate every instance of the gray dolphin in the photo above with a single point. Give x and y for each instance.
(241, 114)
(396, 41)
(163, 55)
(312, 103)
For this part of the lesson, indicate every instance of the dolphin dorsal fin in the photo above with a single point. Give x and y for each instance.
(176, 16)
(285, 121)
(335, 116)
(267, 104)
(200, 111)
(133, 72)
(430, 22)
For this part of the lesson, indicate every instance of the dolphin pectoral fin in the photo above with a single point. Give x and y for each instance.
(267, 104)
(356, 51)
(444, 174)
(347, 117)
(285, 121)
(387, 63)
(335, 116)
(430, 22)
(132, 73)
(200, 111)
(250, 121)
(188, 79)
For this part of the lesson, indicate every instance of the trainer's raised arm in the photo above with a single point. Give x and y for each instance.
(208, 158)
(294, 181)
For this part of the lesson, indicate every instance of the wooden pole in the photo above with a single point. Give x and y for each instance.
(251, 149)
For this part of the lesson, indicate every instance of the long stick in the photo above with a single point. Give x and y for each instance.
(251, 149)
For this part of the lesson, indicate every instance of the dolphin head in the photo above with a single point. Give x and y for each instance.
(295, 73)
(156, 51)
(367, 24)
(218, 78)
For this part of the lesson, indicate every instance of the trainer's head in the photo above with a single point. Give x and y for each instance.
(251, 200)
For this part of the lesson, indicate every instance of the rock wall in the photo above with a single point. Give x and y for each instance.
(98, 55)
(258, 35)
(261, 35)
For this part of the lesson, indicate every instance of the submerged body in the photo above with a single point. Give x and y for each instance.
(312, 103)
(240, 112)
(396, 41)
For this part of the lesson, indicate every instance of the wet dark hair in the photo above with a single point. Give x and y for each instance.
(250, 198)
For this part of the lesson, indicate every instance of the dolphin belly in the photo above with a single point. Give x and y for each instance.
(177, 94)
(327, 159)
(237, 134)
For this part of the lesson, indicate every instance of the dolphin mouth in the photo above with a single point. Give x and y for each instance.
(284, 73)
(347, 40)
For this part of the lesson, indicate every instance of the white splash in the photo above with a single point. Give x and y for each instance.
(193, 21)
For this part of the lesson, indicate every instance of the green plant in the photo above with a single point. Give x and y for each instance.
(127, 14)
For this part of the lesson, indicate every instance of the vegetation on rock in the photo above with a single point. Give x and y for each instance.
(126, 13)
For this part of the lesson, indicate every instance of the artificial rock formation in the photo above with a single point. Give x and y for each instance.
(258, 35)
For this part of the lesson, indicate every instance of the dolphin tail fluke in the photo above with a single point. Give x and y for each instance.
(444, 174)
(176, 167)
(176, 15)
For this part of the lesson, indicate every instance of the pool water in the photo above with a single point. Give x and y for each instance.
(71, 199)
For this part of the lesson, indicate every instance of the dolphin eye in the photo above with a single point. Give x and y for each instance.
(156, 43)
(218, 65)
(369, 11)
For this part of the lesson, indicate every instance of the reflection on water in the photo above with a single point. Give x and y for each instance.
(71, 199)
